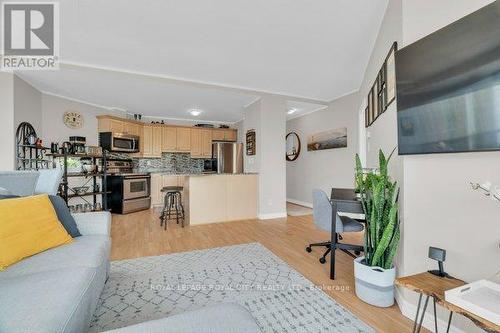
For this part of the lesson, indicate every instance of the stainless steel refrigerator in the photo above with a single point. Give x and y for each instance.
(229, 157)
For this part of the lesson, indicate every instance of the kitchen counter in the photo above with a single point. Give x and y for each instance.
(168, 172)
(215, 198)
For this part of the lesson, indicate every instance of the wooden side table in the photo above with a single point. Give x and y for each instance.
(434, 286)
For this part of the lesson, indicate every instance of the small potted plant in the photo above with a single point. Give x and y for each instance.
(374, 272)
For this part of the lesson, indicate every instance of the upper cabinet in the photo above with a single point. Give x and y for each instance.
(146, 141)
(224, 135)
(132, 129)
(196, 142)
(110, 125)
(156, 139)
(183, 139)
(169, 139)
(201, 143)
(206, 143)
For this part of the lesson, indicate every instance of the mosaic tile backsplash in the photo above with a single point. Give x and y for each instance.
(170, 163)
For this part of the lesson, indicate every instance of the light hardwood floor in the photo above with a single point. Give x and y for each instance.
(139, 234)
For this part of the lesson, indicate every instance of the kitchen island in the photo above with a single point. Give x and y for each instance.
(211, 198)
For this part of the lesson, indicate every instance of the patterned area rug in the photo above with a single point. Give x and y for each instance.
(279, 298)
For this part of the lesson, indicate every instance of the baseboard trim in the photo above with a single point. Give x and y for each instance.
(300, 203)
(271, 216)
(409, 310)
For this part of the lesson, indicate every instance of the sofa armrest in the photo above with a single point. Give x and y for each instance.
(93, 223)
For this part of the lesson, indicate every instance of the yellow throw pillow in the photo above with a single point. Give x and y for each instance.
(28, 226)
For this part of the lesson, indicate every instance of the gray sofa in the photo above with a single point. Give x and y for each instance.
(57, 290)
(221, 318)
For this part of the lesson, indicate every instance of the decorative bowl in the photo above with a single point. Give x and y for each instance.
(88, 168)
(81, 189)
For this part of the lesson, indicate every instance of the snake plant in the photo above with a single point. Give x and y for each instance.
(379, 196)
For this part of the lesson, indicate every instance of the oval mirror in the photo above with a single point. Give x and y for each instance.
(292, 146)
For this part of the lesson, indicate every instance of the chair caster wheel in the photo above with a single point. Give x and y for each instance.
(357, 253)
(308, 249)
(322, 260)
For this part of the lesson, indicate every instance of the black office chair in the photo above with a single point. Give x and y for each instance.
(322, 215)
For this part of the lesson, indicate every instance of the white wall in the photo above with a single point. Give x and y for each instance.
(267, 116)
(438, 206)
(323, 169)
(53, 128)
(240, 127)
(382, 134)
(7, 130)
(272, 178)
(27, 105)
(252, 121)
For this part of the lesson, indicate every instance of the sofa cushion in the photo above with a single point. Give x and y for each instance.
(28, 226)
(85, 251)
(56, 301)
(64, 216)
(19, 182)
(221, 318)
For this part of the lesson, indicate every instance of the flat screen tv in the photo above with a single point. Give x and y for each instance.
(448, 87)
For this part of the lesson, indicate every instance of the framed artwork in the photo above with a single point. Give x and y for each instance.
(390, 67)
(383, 91)
(250, 142)
(375, 101)
(370, 107)
(336, 138)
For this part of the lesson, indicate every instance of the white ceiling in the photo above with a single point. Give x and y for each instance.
(302, 108)
(147, 96)
(315, 50)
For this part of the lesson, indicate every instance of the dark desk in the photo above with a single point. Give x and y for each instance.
(343, 201)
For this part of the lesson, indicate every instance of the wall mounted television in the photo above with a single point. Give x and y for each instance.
(448, 87)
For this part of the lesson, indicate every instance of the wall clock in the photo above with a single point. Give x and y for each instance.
(73, 119)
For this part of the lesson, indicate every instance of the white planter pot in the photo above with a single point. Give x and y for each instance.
(374, 285)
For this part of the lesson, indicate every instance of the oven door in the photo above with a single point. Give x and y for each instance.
(125, 143)
(136, 187)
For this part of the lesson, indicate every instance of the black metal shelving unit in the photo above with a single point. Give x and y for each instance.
(68, 193)
(29, 156)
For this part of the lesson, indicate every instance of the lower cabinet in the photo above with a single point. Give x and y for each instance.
(158, 181)
(156, 186)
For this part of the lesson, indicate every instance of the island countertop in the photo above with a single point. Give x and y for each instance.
(186, 174)
(215, 198)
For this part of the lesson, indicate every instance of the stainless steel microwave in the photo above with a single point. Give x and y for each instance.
(119, 142)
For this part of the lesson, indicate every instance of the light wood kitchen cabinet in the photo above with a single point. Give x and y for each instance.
(201, 143)
(218, 135)
(158, 181)
(156, 186)
(169, 139)
(146, 144)
(170, 180)
(196, 143)
(206, 143)
(183, 139)
(157, 141)
(151, 141)
(231, 135)
(111, 125)
(224, 135)
(131, 128)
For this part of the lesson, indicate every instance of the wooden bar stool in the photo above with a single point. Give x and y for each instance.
(172, 205)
